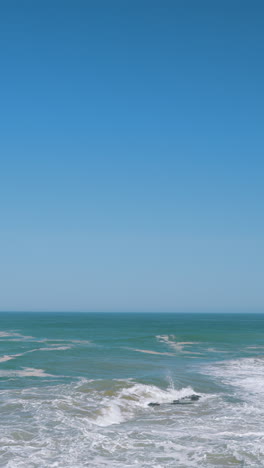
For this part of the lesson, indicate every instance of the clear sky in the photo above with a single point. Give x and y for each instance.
(131, 149)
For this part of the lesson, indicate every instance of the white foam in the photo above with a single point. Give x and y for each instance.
(176, 345)
(13, 335)
(6, 358)
(255, 347)
(14, 356)
(4, 334)
(245, 373)
(19, 337)
(109, 415)
(213, 350)
(88, 342)
(101, 424)
(130, 399)
(25, 372)
(55, 341)
(57, 348)
(9, 357)
(150, 352)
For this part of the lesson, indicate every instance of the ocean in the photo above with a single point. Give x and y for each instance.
(131, 390)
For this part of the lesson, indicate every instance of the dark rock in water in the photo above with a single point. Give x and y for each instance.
(186, 400)
(195, 397)
(182, 401)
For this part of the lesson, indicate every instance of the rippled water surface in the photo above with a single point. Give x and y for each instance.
(75, 390)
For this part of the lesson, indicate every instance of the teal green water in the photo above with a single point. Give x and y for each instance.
(75, 390)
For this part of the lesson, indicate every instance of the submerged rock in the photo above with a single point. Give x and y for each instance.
(186, 400)
(181, 401)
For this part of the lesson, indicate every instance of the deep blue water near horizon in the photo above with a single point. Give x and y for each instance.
(75, 390)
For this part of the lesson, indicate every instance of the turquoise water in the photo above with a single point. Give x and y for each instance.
(75, 390)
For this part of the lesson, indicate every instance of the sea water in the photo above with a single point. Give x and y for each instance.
(75, 390)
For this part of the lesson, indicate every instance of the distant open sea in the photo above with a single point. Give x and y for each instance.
(75, 390)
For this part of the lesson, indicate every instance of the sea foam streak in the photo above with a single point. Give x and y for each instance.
(176, 345)
(25, 372)
(12, 334)
(8, 358)
(14, 356)
(148, 351)
(58, 348)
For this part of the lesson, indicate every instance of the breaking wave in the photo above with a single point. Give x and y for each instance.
(108, 423)
(246, 374)
(125, 404)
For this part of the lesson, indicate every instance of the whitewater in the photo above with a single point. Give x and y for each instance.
(126, 390)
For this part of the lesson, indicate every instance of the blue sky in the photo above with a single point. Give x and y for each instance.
(131, 152)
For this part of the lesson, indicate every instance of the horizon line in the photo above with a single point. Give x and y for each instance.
(132, 312)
